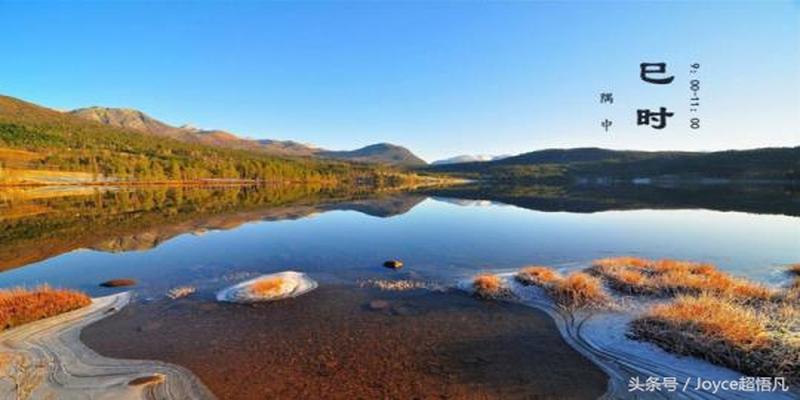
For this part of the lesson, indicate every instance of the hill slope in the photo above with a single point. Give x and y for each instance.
(133, 119)
(378, 153)
(595, 163)
(469, 158)
(37, 138)
(137, 120)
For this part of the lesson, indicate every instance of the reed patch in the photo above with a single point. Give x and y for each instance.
(704, 312)
(489, 286)
(576, 290)
(760, 339)
(579, 290)
(537, 275)
(19, 306)
(637, 276)
(712, 315)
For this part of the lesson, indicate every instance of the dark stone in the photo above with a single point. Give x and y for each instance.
(394, 264)
(118, 283)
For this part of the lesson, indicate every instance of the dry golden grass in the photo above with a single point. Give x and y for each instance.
(579, 290)
(726, 320)
(715, 319)
(24, 210)
(632, 277)
(621, 261)
(793, 291)
(760, 339)
(28, 176)
(267, 287)
(14, 158)
(576, 290)
(489, 286)
(19, 306)
(537, 275)
(672, 277)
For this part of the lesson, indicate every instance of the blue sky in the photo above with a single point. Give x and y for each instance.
(440, 78)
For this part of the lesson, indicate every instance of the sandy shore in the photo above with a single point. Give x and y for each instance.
(46, 360)
(345, 342)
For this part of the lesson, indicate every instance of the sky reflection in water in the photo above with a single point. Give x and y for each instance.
(438, 240)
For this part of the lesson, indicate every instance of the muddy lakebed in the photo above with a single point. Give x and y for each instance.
(355, 335)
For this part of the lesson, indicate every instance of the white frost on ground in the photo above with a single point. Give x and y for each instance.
(601, 337)
(46, 360)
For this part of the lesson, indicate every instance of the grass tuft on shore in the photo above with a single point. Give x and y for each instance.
(576, 290)
(793, 291)
(706, 313)
(714, 319)
(579, 290)
(489, 286)
(19, 306)
(760, 339)
(538, 275)
(639, 276)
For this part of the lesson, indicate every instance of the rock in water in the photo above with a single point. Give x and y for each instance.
(269, 287)
(395, 264)
(118, 283)
(379, 305)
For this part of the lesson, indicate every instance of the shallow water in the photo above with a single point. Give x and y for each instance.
(344, 342)
(213, 238)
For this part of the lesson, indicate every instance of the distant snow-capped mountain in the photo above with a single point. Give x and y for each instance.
(470, 158)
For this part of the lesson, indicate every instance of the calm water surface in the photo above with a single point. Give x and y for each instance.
(439, 238)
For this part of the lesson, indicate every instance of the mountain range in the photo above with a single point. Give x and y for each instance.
(470, 158)
(596, 164)
(98, 144)
(382, 153)
(39, 145)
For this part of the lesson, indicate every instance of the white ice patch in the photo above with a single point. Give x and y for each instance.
(290, 284)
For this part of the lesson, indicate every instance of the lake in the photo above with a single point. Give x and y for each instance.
(160, 241)
(210, 238)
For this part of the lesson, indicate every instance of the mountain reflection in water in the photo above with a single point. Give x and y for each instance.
(39, 223)
(443, 234)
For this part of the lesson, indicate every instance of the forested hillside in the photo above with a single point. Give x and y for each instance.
(592, 163)
(34, 138)
(380, 153)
